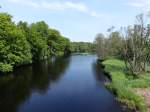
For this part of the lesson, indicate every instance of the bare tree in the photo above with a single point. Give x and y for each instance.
(136, 46)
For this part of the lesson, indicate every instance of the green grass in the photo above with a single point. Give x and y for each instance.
(122, 84)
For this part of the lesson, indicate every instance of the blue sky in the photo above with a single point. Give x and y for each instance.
(79, 20)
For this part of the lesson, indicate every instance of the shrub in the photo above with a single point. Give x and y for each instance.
(5, 67)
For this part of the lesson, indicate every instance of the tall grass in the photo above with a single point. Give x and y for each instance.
(122, 84)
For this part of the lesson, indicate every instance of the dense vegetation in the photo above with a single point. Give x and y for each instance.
(126, 56)
(82, 47)
(25, 43)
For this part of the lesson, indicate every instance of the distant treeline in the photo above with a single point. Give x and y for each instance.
(82, 47)
(24, 43)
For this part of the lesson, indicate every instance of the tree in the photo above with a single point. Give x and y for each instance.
(41, 28)
(83, 47)
(58, 44)
(14, 48)
(36, 36)
(136, 47)
(24, 43)
(110, 46)
(100, 42)
(115, 45)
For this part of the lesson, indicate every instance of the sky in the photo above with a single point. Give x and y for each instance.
(79, 20)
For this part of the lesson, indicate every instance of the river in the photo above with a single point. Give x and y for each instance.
(73, 84)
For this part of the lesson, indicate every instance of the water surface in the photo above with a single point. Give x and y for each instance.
(73, 84)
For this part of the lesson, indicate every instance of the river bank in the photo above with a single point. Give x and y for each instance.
(122, 85)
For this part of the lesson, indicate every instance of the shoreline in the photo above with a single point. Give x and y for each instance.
(123, 94)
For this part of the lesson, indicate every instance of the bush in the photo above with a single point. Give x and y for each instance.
(5, 67)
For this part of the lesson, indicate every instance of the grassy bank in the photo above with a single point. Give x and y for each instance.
(123, 84)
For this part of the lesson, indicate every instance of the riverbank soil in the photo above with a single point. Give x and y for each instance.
(145, 93)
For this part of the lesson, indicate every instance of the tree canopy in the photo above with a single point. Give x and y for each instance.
(83, 47)
(24, 43)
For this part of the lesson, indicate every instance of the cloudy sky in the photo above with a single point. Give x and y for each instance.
(79, 20)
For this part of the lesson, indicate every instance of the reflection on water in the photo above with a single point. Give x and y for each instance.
(98, 73)
(57, 85)
(17, 87)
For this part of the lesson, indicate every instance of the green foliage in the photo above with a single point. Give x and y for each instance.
(83, 47)
(23, 43)
(123, 86)
(57, 43)
(38, 40)
(14, 48)
(41, 28)
(36, 35)
(5, 67)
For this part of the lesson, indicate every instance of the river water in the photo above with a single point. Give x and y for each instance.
(73, 84)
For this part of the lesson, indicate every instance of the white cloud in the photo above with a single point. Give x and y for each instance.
(139, 5)
(78, 6)
(14, 1)
(60, 6)
(63, 6)
(33, 4)
(98, 15)
(144, 5)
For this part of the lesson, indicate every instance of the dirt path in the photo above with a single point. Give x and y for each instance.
(145, 93)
